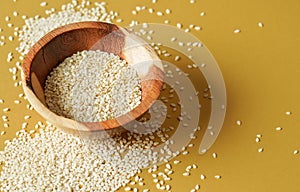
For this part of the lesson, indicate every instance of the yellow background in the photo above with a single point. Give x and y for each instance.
(261, 68)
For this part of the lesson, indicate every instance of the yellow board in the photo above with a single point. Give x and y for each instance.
(261, 69)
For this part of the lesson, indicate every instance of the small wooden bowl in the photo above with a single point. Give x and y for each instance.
(63, 42)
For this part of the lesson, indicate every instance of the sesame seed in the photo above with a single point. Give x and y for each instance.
(151, 10)
(179, 25)
(177, 58)
(214, 155)
(278, 128)
(6, 125)
(2, 132)
(260, 150)
(259, 135)
(192, 1)
(260, 24)
(257, 139)
(202, 177)
(288, 113)
(1, 101)
(197, 28)
(168, 11)
(159, 13)
(134, 12)
(43, 4)
(186, 174)
(127, 189)
(27, 117)
(7, 18)
(6, 109)
(296, 152)
(176, 162)
(15, 13)
(239, 122)
(237, 31)
(202, 14)
(218, 176)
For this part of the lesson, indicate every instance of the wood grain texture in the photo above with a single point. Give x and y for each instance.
(63, 42)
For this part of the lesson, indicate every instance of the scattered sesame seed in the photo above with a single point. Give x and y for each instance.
(260, 150)
(197, 187)
(202, 177)
(151, 10)
(260, 24)
(288, 113)
(202, 14)
(278, 128)
(192, 1)
(2, 132)
(239, 122)
(237, 31)
(15, 13)
(214, 155)
(134, 12)
(27, 117)
(127, 189)
(218, 176)
(197, 28)
(1, 101)
(176, 162)
(159, 13)
(43, 4)
(168, 11)
(296, 152)
(6, 109)
(186, 174)
(259, 135)
(6, 125)
(7, 18)
(257, 139)
(179, 25)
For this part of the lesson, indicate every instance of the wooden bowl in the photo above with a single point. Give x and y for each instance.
(63, 42)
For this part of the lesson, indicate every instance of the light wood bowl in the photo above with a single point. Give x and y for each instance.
(63, 42)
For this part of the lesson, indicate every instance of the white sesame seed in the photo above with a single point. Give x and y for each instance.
(192, 1)
(151, 10)
(128, 188)
(259, 135)
(202, 177)
(185, 152)
(27, 117)
(154, 1)
(168, 11)
(237, 31)
(278, 128)
(166, 21)
(257, 139)
(159, 13)
(239, 122)
(260, 24)
(197, 28)
(6, 109)
(10, 25)
(177, 58)
(43, 4)
(176, 162)
(1, 101)
(186, 174)
(2, 133)
(6, 125)
(288, 113)
(214, 155)
(134, 12)
(218, 176)
(197, 187)
(24, 125)
(7, 18)
(296, 152)
(17, 101)
(179, 25)
(260, 150)
(202, 14)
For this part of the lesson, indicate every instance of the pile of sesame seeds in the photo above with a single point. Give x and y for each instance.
(53, 160)
(92, 86)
